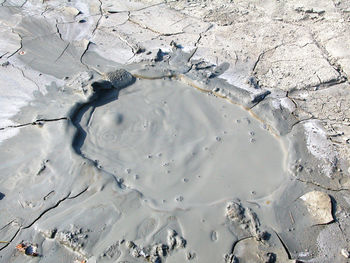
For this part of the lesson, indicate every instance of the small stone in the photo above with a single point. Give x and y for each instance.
(319, 205)
(71, 10)
(345, 253)
(120, 78)
(28, 249)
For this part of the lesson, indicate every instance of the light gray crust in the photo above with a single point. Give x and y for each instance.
(53, 195)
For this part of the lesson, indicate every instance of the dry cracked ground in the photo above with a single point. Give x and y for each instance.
(296, 51)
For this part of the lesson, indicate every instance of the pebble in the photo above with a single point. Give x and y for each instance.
(120, 78)
(345, 253)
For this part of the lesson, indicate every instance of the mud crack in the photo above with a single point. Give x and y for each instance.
(323, 187)
(63, 51)
(99, 19)
(20, 44)
(38, 122)
(68, 197)
(341, 75)
(58, 30)
(284, 245)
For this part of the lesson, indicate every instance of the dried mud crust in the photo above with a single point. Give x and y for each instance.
(290, 63)
(281, 61)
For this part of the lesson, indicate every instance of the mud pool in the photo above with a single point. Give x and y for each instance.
(180, 147)
(174, 131)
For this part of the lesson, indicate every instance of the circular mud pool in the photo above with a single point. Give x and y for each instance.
(180, 147)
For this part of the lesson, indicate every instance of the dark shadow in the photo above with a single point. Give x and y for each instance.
(260, 97)
(219, 70)
(1, 196)
(254, 83)
(334, 207)
(120, 118)
(104, 93)
(265, 235)
(160, 55)
(176, 45)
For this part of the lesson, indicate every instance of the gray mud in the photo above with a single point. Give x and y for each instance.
(179, 147)
(110, 159)
(136, 157)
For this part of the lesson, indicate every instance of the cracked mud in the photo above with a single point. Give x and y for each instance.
(174, 131)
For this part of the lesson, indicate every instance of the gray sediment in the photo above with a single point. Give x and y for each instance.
(160, 160)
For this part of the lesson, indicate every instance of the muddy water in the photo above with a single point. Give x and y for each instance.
(180, 147)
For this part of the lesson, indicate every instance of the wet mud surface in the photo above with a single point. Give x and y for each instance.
(173, 143)
(123, 139)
